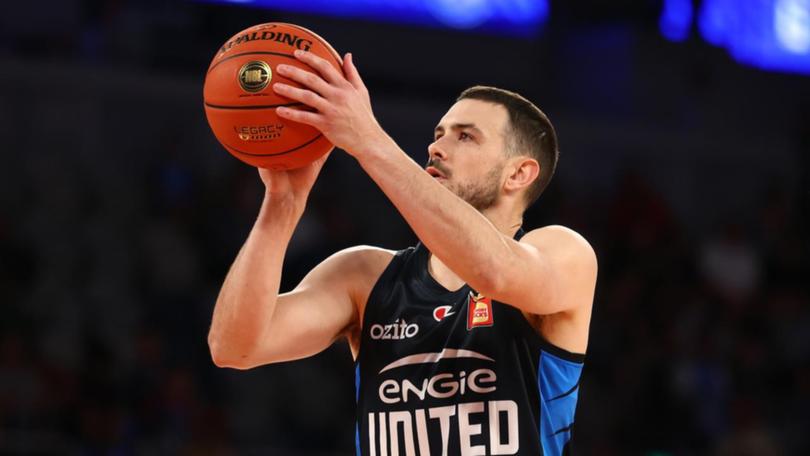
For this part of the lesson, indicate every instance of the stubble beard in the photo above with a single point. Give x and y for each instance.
(482, 194)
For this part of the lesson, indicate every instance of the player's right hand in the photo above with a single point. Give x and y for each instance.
(290, 188)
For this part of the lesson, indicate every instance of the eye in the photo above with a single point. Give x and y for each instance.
(464, 136)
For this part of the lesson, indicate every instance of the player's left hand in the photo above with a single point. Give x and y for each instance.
(341, 103)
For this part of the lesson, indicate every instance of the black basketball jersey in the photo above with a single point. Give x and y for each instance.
(454, 373)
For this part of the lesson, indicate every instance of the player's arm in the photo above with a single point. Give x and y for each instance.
(251, 323)
(552, 269)
(296, 324)
(534, 275)
(254, 325)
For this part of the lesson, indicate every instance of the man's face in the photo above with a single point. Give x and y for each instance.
(468, 152)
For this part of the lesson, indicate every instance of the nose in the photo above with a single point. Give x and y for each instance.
(435, 152)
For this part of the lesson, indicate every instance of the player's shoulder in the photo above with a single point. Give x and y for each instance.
(357, 269)
(365, 253)
(365, 260)
(562, 239)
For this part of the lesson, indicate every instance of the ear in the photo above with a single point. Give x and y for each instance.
(522, 172)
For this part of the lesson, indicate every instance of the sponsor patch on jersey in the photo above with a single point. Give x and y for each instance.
(398, 330)
(441, 312)
(479, 311)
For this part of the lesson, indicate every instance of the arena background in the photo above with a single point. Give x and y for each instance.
(686, 168)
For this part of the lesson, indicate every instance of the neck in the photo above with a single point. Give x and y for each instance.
(505, 222)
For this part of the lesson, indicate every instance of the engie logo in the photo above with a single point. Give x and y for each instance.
(433, 409)
(397, 330)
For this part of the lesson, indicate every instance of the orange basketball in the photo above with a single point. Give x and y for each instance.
(240, 102)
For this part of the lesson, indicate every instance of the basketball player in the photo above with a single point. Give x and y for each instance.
(470, 343)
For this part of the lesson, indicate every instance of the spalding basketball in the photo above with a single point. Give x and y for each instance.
(240, 103)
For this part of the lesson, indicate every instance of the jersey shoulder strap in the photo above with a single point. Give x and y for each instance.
(382, 288)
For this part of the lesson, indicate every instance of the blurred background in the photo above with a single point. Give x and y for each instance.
(685, 160)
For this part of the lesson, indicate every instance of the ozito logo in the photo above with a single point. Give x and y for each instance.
(397, 330)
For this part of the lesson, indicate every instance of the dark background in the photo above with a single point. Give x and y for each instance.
(120, 215)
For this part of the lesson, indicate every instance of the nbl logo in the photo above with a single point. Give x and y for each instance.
(254, 76)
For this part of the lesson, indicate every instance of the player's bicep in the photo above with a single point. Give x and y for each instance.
(307, 321)
(309, 318)
(554, 270)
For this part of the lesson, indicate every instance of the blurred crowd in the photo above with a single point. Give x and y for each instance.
(699, 341)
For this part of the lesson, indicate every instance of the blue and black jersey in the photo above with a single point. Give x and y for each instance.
(444, 372)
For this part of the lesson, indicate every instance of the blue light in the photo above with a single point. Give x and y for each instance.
(792, 24)
(511, 17)
(449, 12)
(676, 19)
(714, 19)
(520, 10)
(767, 34)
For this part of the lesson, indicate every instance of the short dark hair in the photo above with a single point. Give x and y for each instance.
(529, 132)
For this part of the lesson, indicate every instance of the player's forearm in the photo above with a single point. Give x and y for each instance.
(450, 228)
(248, 295)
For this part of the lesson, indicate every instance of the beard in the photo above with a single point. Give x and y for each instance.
(481, 194)
(484, 193)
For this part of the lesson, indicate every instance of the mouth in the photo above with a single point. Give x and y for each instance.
(435, 172)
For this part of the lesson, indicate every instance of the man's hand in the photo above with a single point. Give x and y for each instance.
(289, 189)
(341, 102)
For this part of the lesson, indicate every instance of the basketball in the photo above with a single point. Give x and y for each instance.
(240, 103)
